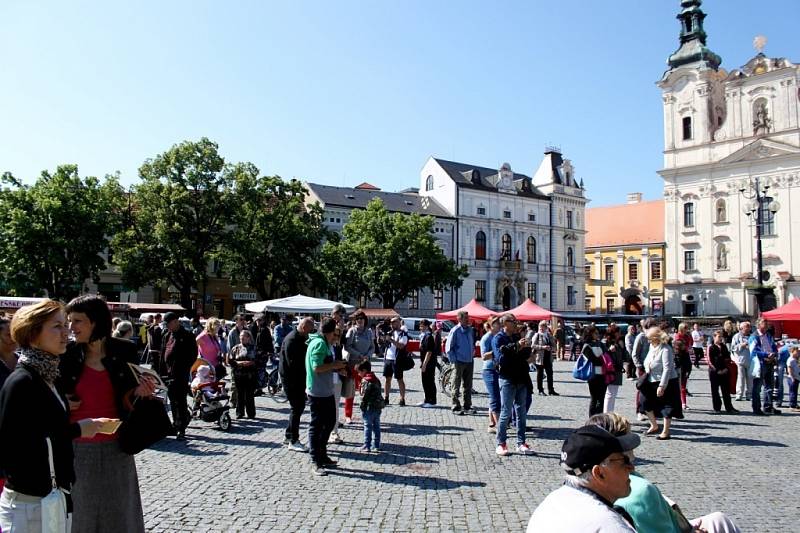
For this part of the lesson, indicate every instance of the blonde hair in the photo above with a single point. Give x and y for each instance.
(612, 422)
(211, 325)
(28, 321)
(656, 333)
(683, 326)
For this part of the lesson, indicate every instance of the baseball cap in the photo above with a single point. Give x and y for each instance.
(170, 316)
(590, 445)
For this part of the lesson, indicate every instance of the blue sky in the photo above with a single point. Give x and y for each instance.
(349, 91)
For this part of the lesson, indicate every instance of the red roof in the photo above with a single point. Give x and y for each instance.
(476, 312)
(617, 225)
(529, 311)
(367, 186)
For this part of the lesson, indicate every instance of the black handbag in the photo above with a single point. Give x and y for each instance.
(404, 361)
(642, 382)
(146, 424)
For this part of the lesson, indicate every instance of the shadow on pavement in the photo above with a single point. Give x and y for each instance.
(419, 429)
(421, 482)
(396, 454)
(738, 441)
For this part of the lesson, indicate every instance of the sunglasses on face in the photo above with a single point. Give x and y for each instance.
(625, 460)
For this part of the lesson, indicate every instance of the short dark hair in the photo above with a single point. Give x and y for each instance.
(588, 334)
(96, 310)
(328, 326)
(364, 366)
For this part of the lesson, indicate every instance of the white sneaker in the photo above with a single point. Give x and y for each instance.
(502, 450)
(524, 449)
(426, 405)
(298, 447)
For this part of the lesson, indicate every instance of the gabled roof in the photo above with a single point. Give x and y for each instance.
(394, 202)
(485, 178)
(626, 224)
(760, 149)
(367, 186)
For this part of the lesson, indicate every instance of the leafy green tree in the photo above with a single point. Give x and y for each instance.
(275, 239)
(387, 256)
(178, 218)
(53, 232)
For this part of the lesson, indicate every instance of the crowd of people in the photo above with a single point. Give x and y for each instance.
(80, 389)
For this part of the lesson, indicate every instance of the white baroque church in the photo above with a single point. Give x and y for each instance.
(724, 134)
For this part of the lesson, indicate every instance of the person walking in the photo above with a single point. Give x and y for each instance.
(543, 345)
(661, 389)
(359, 345)
(561, 340)
(512, 354)
(593, 350)
(427, 357)
(613, 347)
(459, 348)
(292, 368)
(320, 367)
(178, 351)
(96, 379)
(630, 337)
(793, 371)
(243, 361)
(155, 335)
(36, 433)
(718, 373)
(491, 377)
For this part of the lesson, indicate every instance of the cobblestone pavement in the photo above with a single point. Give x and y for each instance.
(438, 471)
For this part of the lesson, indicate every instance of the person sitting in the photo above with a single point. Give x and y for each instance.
(598, 473)
(650, 510)
(205, 381)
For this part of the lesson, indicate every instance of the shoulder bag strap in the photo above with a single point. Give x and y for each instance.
(50, 460)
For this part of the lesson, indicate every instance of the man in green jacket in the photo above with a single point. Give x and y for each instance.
(320, 367)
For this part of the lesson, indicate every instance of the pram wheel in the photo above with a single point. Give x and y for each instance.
(224, 421)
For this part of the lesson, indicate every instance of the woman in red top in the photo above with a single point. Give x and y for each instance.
(682, 344)
(97, 381)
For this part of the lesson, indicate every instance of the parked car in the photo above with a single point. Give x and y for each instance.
(411, 324)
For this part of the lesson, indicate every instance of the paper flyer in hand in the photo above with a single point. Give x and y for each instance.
(140, 371)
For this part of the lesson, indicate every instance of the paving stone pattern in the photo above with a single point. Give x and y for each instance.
(439, 472)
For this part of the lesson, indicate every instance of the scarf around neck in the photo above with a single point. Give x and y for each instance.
(43, 363)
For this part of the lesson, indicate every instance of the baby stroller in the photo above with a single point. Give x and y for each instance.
(211, 401)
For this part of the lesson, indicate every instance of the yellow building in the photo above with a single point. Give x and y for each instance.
(625, 249)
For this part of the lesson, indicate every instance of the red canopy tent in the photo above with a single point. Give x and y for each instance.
(528, 311)
(789, 317)
(476, 311)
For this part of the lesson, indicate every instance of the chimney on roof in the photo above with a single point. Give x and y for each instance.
(634, 197)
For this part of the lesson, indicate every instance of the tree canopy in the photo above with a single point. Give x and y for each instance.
(387, 257)
(53, 232)
(274, 242)
(179, 216)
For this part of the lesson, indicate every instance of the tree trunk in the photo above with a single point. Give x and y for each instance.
(186, 298)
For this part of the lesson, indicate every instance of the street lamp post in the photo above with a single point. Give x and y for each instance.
(757, 205)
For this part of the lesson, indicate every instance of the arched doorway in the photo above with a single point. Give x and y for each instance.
(633, 305)
(509, 299)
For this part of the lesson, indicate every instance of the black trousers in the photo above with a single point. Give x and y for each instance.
(597, 394)
(245, 391)
(429, 383)
(297, 401)
(698, 356)
(720, 382)
(178, 391)
(323, 417)
(546, 366)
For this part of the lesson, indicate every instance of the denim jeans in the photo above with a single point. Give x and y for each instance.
(512, 395)
(372, 428)
(762, 389)
(491, 379)
(778, 396)
(793, 393)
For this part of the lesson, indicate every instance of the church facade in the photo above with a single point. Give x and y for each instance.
(731, 169)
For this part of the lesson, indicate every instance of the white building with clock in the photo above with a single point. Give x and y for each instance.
(723, 133)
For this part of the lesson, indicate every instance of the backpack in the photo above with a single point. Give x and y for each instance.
(609, 371)
(583, 369)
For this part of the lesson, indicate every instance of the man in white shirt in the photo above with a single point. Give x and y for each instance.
(396, 343)
(740, 352)
(598, 474)
(697, 344)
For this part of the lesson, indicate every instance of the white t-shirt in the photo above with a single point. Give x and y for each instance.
(399, 336)
(697, 339)
(794, 368)
(569, 510)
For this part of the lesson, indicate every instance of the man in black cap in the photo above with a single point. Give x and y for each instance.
(598, 473)
(178, 351)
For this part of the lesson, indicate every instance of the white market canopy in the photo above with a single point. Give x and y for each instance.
(295, 304)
